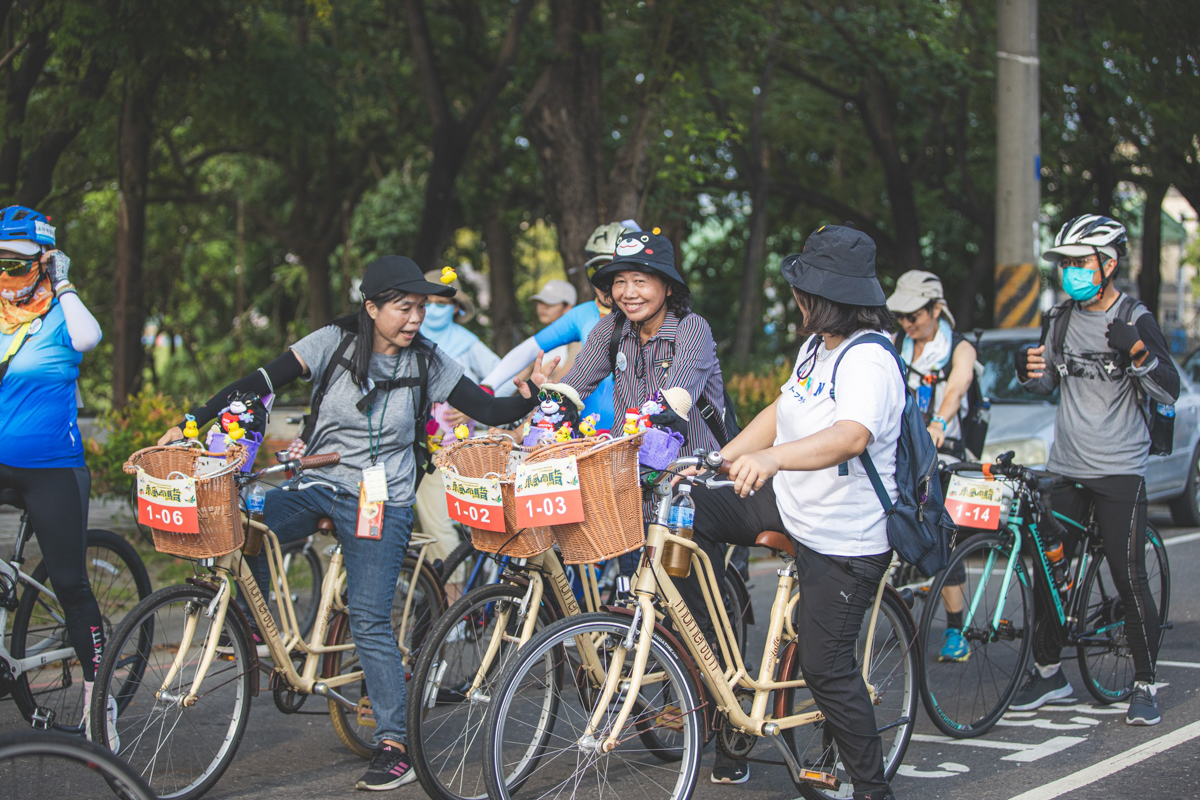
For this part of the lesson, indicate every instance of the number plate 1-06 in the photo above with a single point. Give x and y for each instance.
(168, 505)
(475, 502)
(977, 504)
(547, 493)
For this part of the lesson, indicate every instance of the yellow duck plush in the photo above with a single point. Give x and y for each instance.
(235, 431)
(563, 434)
(449, 276)
(587, 425)
(462, 432)
(190, 430)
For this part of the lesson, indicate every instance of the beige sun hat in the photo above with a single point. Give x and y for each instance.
(678, 399)
(915, 289)
(466, 308)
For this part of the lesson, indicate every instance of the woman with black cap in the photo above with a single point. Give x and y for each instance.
(796, 469)
(369, 414)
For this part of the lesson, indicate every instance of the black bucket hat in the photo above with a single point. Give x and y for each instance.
(402, 273)
(642, 251)
(837, 263)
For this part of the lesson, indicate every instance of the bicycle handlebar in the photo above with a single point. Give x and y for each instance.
(297, 465)
(1002, 468)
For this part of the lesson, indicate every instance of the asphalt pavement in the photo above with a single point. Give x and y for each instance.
(1075, 749)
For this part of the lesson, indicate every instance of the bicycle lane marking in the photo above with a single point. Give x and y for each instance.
(1021, 752)
(1109, 766)
(1187, 537)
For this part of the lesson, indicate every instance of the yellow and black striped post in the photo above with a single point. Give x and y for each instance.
(1018, 287)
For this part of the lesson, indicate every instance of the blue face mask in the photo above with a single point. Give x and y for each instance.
(1077, 283)
(437, 317)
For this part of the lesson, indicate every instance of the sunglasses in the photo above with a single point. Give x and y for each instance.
(911, 318)
(1085, 262)
(17, 267)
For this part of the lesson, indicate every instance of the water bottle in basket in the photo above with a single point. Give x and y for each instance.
(677, 560)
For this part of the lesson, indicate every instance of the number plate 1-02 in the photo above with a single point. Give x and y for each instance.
(475, 502)
(168, 505)
(547, 493)
(975, 504)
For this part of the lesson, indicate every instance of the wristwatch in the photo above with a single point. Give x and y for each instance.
(939, 418)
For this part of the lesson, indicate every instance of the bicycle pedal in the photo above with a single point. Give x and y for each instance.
(671, 718)
(42, 718)
(824, 779)
(365, 714)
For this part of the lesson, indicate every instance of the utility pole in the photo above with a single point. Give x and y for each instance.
(1018, 164)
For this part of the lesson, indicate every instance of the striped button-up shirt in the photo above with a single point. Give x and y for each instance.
(682, 353)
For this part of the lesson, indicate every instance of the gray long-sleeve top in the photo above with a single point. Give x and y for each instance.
(1100, 428)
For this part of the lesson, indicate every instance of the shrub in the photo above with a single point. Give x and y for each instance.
(139, 424)
(754, 391)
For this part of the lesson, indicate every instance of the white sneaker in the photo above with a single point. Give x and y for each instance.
(110, 725)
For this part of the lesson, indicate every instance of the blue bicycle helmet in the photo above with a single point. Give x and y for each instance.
(19, 222)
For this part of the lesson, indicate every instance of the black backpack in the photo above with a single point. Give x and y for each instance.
(974, 423)
(723, 429)
(918, 527)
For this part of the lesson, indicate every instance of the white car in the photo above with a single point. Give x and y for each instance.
(1024, 423)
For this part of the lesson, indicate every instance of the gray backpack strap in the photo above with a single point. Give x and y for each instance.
(333, 370)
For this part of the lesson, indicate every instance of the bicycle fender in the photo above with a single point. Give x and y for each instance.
(240, 616)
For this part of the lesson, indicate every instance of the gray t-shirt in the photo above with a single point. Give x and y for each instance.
(342, 428)
(1099, 429)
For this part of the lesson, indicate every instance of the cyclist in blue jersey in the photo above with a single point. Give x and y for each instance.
(573, 326)
(44, 331)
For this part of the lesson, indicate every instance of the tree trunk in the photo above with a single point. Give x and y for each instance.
(315, 257)
(750, 292)
(438, 213)
(504, 313)
(1150, 278)
(129, 316)
(878, 111)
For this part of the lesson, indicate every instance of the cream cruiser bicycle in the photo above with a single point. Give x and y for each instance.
(184, 716)
(556, 731)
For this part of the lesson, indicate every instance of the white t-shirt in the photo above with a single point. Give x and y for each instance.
(832, 514)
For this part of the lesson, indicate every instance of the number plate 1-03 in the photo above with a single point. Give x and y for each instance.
(977, 503)
(168, 505)
(475, 502)
(547, 493)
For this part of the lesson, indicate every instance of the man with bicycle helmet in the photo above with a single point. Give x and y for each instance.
(44, 331)
(1105, 353)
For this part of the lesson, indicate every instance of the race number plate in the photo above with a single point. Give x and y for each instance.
(168, 505)
(547, 493)
(976, 504)
(475, 502)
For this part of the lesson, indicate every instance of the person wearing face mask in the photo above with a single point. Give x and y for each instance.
(44, 331)
(1112, 370)
(381, 370)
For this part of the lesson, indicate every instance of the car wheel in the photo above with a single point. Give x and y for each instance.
(1185, 509)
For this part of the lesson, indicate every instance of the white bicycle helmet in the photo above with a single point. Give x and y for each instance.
(603, 242)
(1091, 234)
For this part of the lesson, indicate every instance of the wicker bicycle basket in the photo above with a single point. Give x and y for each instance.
(221, 528)
(612, 499)
(489, 455)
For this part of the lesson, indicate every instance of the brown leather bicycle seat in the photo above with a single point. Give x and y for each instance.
(325, 525)
(779, 542)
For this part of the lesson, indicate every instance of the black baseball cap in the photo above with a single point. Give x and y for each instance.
(644, 251)
(402, 273)
(837, 263)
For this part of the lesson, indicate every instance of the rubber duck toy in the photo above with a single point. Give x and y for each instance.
(235, 431)
(587, 425)
(462, 432)
(190, 430)
(449, 276)
(433, 441)
(564, 434)
(631, 422)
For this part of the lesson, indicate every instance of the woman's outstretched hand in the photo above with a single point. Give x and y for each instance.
(173, 435)
(538, 377)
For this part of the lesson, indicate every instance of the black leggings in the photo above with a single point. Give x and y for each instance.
(57, 501)
(1120, 510)
(835, 594)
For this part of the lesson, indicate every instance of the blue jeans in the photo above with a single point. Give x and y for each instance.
(372, 570)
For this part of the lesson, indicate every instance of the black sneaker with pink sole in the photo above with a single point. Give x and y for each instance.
(390, 769)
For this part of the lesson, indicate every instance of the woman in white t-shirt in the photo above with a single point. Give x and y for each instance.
(799, 457)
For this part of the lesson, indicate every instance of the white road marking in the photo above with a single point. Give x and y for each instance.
(1078, 708)
(1108, 766)
(1188, 664)
(1187, 537)
(1076, 723)
(947, 769)
(1022, 752)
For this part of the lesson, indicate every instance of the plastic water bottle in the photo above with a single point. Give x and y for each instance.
(256, 499)
(677, 560)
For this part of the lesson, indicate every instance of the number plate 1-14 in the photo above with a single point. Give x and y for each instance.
(168, 505)
(547, 493)
(475, 502)
(975, 504)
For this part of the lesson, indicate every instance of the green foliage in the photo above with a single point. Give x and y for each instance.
(754, 391)
(147, 416)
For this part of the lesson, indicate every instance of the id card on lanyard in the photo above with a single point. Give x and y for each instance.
(373, 490)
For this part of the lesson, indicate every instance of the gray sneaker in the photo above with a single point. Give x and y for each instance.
(1038, 691)
(1143, 706)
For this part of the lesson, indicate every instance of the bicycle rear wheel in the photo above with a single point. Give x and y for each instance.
(537, 746)
(180, 751)
(1105, 657)
(893, 673)
(445, 726)
(119, 581)
(965, 698)
(49, 766)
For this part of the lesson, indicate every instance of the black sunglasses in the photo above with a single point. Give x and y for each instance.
(911, 318)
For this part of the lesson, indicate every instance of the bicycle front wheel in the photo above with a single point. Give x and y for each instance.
(445, 722)
(119, 581)
(49, 766)
(892, 674)
(179, 747)
(538, 746)
(966, 694)
(1105, 657)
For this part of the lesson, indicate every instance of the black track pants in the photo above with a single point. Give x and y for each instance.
(1120, 510)
(57, 501)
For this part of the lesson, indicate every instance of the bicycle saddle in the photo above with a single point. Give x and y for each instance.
(779, 542)
(11, 497)
(325, 525)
